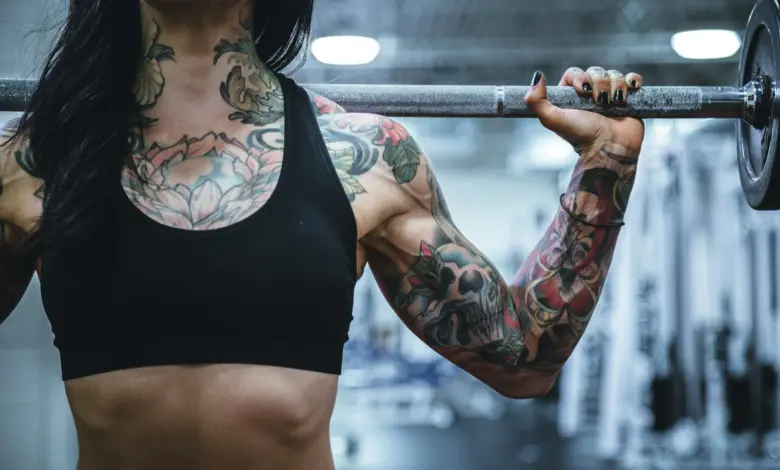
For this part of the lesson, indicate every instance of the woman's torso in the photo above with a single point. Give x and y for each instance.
(217, 415)
(203, 417)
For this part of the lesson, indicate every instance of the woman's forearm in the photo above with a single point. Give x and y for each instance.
(560, 282)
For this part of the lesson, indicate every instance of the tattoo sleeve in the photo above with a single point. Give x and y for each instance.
(513, 336)
(15, 273)
(356, 141)
(17, 148)
(560, 282)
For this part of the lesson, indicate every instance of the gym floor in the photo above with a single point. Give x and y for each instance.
(526, 439)
(521, 440)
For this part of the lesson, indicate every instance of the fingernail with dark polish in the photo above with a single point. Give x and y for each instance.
(586, 87)
(603, 98)
(619, 96)
(536, 79)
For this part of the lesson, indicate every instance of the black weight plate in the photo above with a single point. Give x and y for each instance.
(758, 148)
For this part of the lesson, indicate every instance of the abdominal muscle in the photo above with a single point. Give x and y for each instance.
(204, 418)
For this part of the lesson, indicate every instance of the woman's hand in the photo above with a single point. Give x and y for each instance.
(586, 130)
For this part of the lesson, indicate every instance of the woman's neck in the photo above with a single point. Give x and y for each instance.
(201, 56)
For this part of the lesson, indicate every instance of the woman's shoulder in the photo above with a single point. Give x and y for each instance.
(20, 191)
(325, 106)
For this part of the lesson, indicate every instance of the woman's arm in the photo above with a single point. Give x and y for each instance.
(514, 336)
(15, 273)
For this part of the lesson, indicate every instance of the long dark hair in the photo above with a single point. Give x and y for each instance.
(79, 116)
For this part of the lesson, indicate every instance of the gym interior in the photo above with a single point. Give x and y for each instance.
(679, 366)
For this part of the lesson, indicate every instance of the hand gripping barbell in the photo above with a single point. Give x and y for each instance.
(756, 102)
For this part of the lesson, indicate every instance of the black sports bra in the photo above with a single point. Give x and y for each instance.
(273, 289)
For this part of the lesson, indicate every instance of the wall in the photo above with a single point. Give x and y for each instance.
(25, 34)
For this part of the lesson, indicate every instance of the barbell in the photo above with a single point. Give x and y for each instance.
(755, 102)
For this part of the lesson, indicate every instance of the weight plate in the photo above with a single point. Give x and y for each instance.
(758, 147)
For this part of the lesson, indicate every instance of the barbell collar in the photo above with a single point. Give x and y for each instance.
(504, 101)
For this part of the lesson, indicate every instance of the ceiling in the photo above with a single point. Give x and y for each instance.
(477, 42)
(504, 41)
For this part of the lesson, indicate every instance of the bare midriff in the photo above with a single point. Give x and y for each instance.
(209, 417)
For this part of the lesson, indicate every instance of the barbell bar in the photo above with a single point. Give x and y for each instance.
(756, 103)
(500, 101)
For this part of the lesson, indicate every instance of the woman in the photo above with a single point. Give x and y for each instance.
(199, 240)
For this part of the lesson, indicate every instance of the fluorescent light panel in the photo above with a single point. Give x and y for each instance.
(345, 50)
(706, 44)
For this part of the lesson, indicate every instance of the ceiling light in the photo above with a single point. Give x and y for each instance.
(706, 44)
(345, 50)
